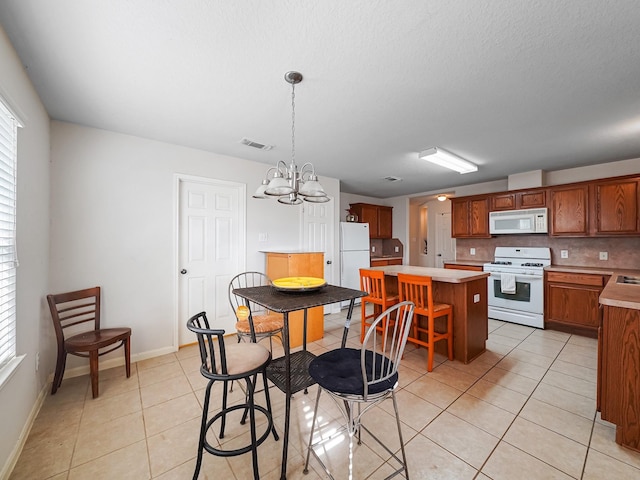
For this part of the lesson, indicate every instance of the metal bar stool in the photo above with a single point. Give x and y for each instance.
(225, 363)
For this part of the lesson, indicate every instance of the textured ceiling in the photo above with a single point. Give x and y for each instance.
(512, 85)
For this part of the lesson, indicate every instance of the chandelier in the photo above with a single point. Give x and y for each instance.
(288, 182)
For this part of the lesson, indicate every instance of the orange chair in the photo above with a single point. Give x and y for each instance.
(372, 282)
(419, 290)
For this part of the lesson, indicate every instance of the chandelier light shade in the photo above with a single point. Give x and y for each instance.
(448, 160)
(290, 183)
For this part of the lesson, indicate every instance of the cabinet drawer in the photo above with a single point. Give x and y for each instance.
(576, 278)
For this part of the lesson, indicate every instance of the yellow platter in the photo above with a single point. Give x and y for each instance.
(299, 284)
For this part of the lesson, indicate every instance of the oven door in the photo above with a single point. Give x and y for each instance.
(527, 298)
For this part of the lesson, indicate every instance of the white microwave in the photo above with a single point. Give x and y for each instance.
(533, 220)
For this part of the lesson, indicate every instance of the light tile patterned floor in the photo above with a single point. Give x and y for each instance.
(525, 409)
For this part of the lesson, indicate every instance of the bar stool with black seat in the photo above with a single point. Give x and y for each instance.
(79, 312)
(364, 377)
(419, 290)
(372, 282)
(225, 363)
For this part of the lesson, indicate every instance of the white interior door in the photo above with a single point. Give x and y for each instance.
(211, 244)
(445, 245)
(318, 236)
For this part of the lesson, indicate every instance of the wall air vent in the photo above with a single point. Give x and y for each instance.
(392, 179)
(259, 146)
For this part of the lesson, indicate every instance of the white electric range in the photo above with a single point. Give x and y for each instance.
(515, 287)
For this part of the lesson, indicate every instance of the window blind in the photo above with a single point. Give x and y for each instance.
(8, 256)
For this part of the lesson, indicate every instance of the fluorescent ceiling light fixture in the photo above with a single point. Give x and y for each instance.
(448, 160)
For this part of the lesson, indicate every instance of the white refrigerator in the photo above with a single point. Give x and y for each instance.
(354, 254)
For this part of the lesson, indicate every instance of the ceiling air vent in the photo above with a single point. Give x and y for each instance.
(392, 179)
(251, 143)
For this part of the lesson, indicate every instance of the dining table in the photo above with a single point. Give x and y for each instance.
(290, 373)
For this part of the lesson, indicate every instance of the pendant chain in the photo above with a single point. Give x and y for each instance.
(293, 123)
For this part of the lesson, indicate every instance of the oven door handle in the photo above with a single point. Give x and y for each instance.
(495, 274)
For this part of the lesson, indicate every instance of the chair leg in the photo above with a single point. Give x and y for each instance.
(313, 424)
(450, 332)
(127, 356)
(224, 407)
(203, 429)
(93, 368)
(363, 322)
(268, 399)
(252, 423)
(404, 456)
(60, 364)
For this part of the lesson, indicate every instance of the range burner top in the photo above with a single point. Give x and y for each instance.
(501, 263)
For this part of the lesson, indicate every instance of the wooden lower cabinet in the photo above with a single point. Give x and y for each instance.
(571, 302)
(619, 373)
(281, 265)
(383, 262)
(458, 266)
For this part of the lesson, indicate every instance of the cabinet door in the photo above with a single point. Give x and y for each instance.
(503, 201)
(459, 218)
(569, 211)
(369, 214)
(532, 199)
(385, 225)
(573, 305)
(616, 208)
(479, 217)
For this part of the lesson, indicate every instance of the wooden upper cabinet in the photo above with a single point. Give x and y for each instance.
(569, 211)
(616, 205)
(470, 217)
(379, 218)
(519, 200)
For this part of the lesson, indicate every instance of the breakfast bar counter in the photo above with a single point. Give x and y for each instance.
(466, 291)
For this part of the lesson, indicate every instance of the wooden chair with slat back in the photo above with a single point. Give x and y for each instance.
(73, 311)
(372, 282)
(419, 290)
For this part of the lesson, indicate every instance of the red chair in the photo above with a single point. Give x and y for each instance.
(372, 282)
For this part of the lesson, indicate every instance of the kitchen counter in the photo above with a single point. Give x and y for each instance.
(437, 274)
(466, 291)
(471, 263)
(614, 294)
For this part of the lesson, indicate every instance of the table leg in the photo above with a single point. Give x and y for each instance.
(287, 393)
(347, 323)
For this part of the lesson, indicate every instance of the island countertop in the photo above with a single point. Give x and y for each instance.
(444, 275)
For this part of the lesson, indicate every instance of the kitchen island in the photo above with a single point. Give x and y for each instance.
(467, 292)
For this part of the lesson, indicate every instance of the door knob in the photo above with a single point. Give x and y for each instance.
(183, 271)
(329, 262)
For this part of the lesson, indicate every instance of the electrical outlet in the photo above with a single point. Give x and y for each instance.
(397, 249)
(564, 253)
(604, 255)
(263, 237)
(476, 298)
(472, 251)
(373, 249)
(37, 361)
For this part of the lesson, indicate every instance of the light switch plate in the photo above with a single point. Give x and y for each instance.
(564, 253)
(472, 251)
(604, 255)
(397, 249)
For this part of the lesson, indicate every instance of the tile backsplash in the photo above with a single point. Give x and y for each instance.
(584, 252)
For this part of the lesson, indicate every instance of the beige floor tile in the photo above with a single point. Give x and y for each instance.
(115, 385)
(48, 458)
(498, 348)
(413, 410)
(156, 361)
(428, 460)
(544, 347)
(551, 335)
(131, 462)
(588, 361)
(107, 408)
(188, 351)
(494, 324)
(212, 468)
(525, 369)
(173, 447)
(577, 371)
(160, 373)
(166, 390)
(433, 391)
(489, 357)
(55, 424)
(452, 376)
(94, 442)
(509, 463)
(481, 414)
(476, 368)
(601, 466)
(501, 397)
(519, 332)
(556, 450)
(383, 425)
(464, 440)
(72, 390)
(571, 384)
(171, 413)
(591, 343)
(532, 358)
(558, 420)
(566, 400)
(509, 342)
(583, 348)
(512, 381)
(604, 441)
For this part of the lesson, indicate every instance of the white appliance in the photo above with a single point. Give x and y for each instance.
(515, 287)
(533, 220)
(354, 253)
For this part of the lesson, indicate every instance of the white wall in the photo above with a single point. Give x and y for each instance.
(34, 332)
(113, 223)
